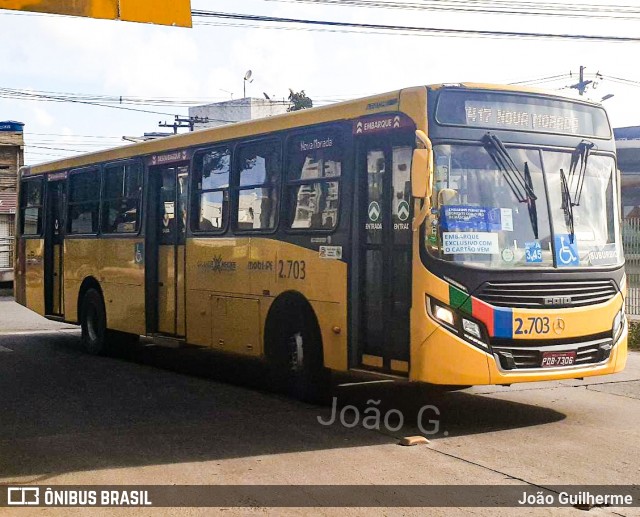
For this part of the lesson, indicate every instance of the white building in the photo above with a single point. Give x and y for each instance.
(236, 110)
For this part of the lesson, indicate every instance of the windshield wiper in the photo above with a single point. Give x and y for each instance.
(522, 190)
(567, 204)
(521, 185)
(578, 169)
(531, 201)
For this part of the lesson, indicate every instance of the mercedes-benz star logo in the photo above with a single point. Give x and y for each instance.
(558, 326)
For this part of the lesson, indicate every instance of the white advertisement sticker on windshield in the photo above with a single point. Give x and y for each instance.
(470, 242)
(506, 217)
(604, 255)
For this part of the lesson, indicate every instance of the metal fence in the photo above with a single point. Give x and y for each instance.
(631, 243)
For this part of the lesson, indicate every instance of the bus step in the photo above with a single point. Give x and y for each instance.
(167, 341)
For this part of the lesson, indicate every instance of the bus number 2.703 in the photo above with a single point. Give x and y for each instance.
(295, 269)
(534, 325)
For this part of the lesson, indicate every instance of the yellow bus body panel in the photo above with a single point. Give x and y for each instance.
(241, 277)
(112, 263)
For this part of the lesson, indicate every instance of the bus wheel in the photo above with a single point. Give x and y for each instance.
(298, 360)
(93, 321)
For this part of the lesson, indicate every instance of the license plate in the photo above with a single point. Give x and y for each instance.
(551, 359)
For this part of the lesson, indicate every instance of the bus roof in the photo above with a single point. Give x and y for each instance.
(346, 110)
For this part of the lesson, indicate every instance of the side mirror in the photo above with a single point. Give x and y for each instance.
(422, 167)
(447, 196)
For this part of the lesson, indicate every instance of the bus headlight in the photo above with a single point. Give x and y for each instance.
(618, 324)
(469, 329)
(444, 315)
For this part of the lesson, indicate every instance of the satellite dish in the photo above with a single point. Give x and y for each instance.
(248, 75)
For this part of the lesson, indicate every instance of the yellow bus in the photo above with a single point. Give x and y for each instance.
(456, 235)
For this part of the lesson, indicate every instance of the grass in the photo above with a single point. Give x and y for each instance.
(634, 335)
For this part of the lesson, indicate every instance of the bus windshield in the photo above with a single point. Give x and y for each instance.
(511, 210)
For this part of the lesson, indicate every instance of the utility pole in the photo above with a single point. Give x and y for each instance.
(581, 86)
(181, 122)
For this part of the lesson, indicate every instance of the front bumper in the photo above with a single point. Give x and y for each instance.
(444, 358)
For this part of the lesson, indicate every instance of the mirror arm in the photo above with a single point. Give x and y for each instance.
(424, 140)
(421, 215)
(425, 207)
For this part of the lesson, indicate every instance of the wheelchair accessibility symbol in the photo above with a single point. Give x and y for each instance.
(566, 251)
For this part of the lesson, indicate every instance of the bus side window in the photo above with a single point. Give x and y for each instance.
(211, 190)
(31, 203)
(313, 186)
(121, 197)
(260, 167)
(84, 202)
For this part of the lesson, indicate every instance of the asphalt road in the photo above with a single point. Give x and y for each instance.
(152, 415)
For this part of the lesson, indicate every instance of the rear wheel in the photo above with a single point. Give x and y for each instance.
(93, 321)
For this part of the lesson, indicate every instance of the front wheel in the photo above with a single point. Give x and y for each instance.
(298, 360)
(93, 321)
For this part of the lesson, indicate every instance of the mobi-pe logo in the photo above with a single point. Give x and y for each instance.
(23, 496)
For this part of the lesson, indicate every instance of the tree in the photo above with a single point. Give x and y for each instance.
(299, 101)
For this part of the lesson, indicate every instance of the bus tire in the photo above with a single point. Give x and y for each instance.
(93, 321)
(296, 357)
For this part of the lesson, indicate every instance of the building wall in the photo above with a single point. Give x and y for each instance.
(7, 225)
(239, 110)
(11, 159)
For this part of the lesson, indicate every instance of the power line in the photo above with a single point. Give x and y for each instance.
(411, 29)
(619, 12)
(542, 79)
(10, 93)
(74, 136)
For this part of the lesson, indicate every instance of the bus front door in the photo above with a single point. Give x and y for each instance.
(385, 255)
(170, 195)
(53, 249)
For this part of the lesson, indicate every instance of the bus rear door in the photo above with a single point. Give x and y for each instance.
(166, 250)
(53, 244)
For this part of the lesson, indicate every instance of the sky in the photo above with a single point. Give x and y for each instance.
(207, 63)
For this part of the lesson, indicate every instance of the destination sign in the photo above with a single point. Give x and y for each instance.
(496, 110)
(530, 118)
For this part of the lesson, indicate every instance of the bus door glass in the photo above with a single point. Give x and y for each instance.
(385, 283)
(171, 227)
(54, 242)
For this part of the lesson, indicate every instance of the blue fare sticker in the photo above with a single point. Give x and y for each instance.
(533, 251)
(463, 218)
(566, 251)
